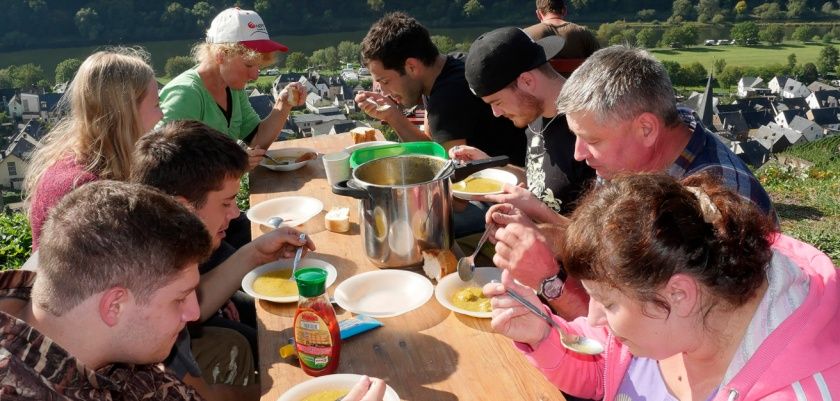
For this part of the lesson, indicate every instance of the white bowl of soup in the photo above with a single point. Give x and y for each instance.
(329, 388)
(485, 182)
(466, 297)
(271, 282)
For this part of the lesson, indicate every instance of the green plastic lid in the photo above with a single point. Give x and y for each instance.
(311, 281)
(364, 155)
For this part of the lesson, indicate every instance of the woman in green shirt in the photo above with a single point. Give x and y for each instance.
(213, 92)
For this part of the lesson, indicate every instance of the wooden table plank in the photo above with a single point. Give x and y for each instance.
(427, 354)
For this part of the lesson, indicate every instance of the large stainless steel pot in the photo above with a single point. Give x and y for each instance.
(404, 209)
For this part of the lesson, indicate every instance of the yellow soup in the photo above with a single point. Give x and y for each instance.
(276, 284)
(471, 299)
(328, 395)
(478, 185)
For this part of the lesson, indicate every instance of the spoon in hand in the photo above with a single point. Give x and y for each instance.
(379, 107)
(275, 221)
(579, 344)
(298, 254)
(466, 265)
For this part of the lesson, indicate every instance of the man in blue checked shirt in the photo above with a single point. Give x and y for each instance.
(620, 105)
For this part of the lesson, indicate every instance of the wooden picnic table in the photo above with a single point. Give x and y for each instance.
(427, 354)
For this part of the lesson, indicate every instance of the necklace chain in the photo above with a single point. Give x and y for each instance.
(545, 127)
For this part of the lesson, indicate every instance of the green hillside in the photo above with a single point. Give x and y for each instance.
(742, 56)
(807, 199)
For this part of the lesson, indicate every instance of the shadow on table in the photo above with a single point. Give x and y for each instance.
(407, 362)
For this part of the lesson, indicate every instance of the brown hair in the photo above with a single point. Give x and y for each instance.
(395, 38)
(637, 231)
(110, 233)
(187, 158)
(551, 6)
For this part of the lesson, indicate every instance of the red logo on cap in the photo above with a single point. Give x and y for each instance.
(251, 24)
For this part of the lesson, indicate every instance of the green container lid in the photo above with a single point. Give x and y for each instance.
(311, 281)
(364, 155)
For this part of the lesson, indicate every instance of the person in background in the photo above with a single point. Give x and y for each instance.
(213, 92)
(693, 295)
(109, 104)
(621, 106)
(407, 66)
(580, 42)
(201, 168)
(108, 301)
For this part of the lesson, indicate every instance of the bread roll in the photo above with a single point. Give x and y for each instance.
(363, 134)
(437, 263)
(338, 219)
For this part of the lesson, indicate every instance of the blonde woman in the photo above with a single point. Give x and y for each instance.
(213, 92)
(110, 103)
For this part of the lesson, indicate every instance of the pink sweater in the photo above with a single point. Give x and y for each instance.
(58, 180)
(798, 359)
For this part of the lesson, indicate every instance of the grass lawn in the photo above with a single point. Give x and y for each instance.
(807, 200)
(743, 56)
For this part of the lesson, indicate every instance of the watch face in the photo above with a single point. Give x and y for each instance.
(552, 287)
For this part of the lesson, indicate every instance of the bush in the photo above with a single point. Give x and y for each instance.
(15, 240)
(178, 64)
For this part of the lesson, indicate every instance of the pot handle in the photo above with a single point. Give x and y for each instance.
(344, 188)
(470, 167)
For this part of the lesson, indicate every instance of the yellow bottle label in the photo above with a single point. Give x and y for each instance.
(312, 340)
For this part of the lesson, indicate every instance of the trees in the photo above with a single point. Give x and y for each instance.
(768, 11)
(178, 64)
(88, 24)
(744, 33)
(349, 52)
(809, 73)
(681, 10)
(707, 10)
(802, 33)
(740, 8)
(66, 70)
(828, 59)
(445, 44)
(473, 8)
(648, 37)
(772, 34)
(296, 61)
(795, 8)
(27, 75)
(719, 64)
(679, 36)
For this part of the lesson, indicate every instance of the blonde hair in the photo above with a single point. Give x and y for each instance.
(101, 120)
(205, 52)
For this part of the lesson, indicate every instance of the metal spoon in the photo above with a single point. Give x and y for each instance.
(298, 253)
(466, 265)
(579, 344)
(275, 221)
(443, 170)
(379, 107)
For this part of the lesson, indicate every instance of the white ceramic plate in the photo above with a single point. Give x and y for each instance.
(449, 285)
(287, 153)
(294, 210)
(358, 146)
(329, 382)
(383, 293)
(285, 264)
(502, 176)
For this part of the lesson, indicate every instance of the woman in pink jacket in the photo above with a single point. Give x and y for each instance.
(693, 296)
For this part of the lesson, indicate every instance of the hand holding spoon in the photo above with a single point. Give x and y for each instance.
(579, 344)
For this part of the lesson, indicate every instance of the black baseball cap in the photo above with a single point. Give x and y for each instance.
(497, 57)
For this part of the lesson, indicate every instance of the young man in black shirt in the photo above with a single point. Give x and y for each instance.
(510, 72)
(408, 68)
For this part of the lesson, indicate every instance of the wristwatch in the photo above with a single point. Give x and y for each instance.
(552, 287)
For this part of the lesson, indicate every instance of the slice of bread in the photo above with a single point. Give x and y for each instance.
(437, 263)
(338, 219)
(363, 134)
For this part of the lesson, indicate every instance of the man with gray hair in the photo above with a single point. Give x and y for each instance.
(621, 106)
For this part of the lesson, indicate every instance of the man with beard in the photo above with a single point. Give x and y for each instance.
(511, 73)
(405, 63)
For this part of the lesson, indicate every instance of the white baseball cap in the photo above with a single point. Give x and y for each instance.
(242, 26)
